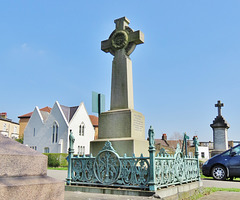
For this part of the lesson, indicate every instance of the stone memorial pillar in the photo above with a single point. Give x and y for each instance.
(122, 125)
(220, 135)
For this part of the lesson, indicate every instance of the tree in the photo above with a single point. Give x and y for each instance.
(176, 136)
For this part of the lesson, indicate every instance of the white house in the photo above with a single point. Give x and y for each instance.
(49, 132)
(203, 153)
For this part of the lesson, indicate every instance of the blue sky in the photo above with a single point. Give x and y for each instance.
(50, 50)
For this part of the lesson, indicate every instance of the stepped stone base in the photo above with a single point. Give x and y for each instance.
(184, 191)
(122, 146)
(23, 174)
(19, 160)
(31, 187)
(125, 129)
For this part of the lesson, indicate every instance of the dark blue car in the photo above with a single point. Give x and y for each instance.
(224, 165)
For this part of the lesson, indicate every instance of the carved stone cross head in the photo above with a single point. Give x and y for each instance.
(123, 37)
(219, 105)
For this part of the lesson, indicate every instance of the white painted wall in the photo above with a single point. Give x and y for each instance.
(205, 150)
(35, 122)
(44, 130)
(57, 116)
(81, 117)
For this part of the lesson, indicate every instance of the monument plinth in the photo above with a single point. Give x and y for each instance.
(23, 174)
(220, 132)
(122, 125)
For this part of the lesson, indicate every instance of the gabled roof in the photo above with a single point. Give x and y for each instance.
(69, 111)
(94, 120)
(28, 115)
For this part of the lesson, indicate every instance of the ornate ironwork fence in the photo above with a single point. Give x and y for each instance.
(150, 173)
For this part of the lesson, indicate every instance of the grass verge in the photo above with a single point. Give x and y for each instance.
(208, 190)
(57, 168)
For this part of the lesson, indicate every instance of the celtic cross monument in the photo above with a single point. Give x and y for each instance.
(122, 125)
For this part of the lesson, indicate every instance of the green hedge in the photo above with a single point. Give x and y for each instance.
(57, 159)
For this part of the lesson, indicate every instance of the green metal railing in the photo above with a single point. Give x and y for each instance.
(150, 173)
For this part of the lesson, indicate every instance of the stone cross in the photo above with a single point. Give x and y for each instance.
(219, 105)
(122, 37)
(121, 43)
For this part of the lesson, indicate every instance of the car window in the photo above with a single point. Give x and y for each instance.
(226, 154)
(236, 150)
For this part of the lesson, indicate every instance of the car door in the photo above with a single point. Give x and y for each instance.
(234, 161)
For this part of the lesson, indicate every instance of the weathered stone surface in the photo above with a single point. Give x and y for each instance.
(220, 131)
(122, 123)
(220, 140)
(19, 160)
(122, 84)
(122, 146)
(31, 187)
(23, 174)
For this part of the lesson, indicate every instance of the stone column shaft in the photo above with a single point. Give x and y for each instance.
(122, 84)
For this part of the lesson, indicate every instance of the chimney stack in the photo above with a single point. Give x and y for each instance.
(164, 136)
(3, 115)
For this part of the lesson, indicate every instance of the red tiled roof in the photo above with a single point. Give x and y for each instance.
(28, 115)
(169, 143)
(94, 120)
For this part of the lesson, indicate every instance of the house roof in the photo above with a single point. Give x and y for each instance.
(94, 120)
(168, 143)
(28, 115)
(69, 111)
(8, 120)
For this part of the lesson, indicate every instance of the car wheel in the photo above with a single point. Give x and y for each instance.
(219, 172)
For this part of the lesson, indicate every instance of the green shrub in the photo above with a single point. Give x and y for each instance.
(19, 140)
(57, 159)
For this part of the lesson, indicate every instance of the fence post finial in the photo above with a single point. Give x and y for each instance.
(70, 155)
(152, 173)
(196, 143)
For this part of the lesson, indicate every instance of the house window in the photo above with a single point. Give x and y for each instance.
(34, 132)
(78, 150)
(46, 150)
(15, 129)
(4, 127)
(33, 147)
(202, 155)
(55, 133)
(81, 129)
(83, 150)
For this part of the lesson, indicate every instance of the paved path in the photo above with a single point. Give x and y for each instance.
(62, 174)
(221, 184)
(222, 196)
